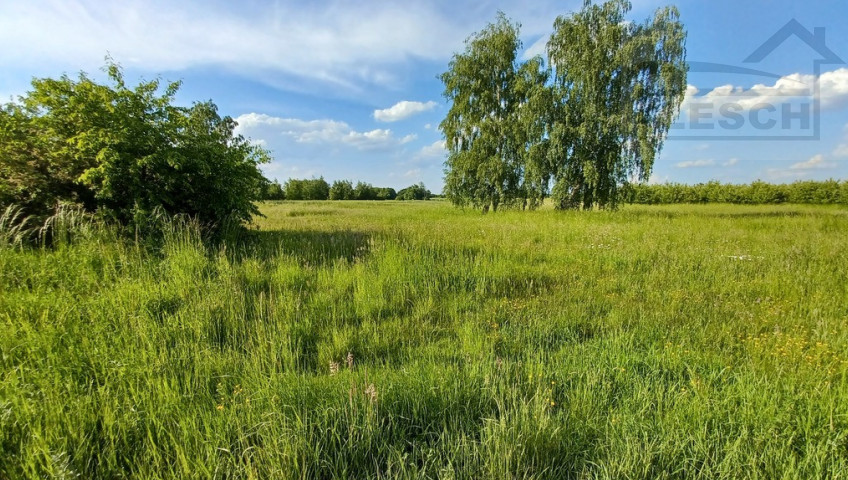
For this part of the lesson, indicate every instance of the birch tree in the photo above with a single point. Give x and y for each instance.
(617, 86)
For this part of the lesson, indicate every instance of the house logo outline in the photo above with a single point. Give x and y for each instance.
(815, 39)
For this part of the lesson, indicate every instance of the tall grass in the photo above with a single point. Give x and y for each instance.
(653, 342)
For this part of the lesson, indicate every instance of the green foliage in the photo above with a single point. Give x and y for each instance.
(364, 191)
(386, 193)
(341, 190)
(273, 191)
(659, 342)
(591, 122)
(828, 192)
(618, 86)
(492, 129)
(307, 189)
(414, 192)
(344, 190)
(125, 152)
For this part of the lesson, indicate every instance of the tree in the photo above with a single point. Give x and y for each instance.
(364, 191)
(317, 189)
(487, 143)
(341, 190)
(311, 189)
(414, 192)
(125, 152)
(295, 189)
(617, 87)
(386, 193)
(273, 191)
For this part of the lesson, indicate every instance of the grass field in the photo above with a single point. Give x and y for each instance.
(415, 340)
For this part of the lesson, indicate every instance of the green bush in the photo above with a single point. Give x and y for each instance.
(125, 153)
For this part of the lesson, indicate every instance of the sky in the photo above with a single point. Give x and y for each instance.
(350, 90)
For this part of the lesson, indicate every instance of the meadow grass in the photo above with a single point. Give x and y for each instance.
(415, 340)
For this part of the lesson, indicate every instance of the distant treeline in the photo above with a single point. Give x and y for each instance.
(823, 193)
(319, 189)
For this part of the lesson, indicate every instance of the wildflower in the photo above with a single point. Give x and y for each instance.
(220, 407)
(350, 360)
(334, 367)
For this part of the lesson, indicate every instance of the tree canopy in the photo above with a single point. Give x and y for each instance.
(125, 152)
(580, 129)
(490, 95)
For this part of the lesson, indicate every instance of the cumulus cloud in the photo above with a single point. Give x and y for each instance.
(696, 163)
(816, 166)
(816, 162)
(403, 109)
(833, 92)
(841, 150)
(318, 132)
(434, 150)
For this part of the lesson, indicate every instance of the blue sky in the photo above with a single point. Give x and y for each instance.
(350, 89)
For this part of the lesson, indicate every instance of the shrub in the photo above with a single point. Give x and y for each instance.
(125, 153)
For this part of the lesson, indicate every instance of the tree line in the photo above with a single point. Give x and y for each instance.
(578, 129)
(319, 189)
(829, 192)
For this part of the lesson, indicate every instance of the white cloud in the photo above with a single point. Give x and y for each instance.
(696, 163)
(841, 150)
(812, 168)
(434, 150)
(346, 44)
(255, 125)
(403, 109)
(833, 93)
(731, 162)
(815, 162)
(655, 179)
(537, 48)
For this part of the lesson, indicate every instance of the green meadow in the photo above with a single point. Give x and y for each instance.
(416, 340)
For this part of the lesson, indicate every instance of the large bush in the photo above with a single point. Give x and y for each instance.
(125, 152)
